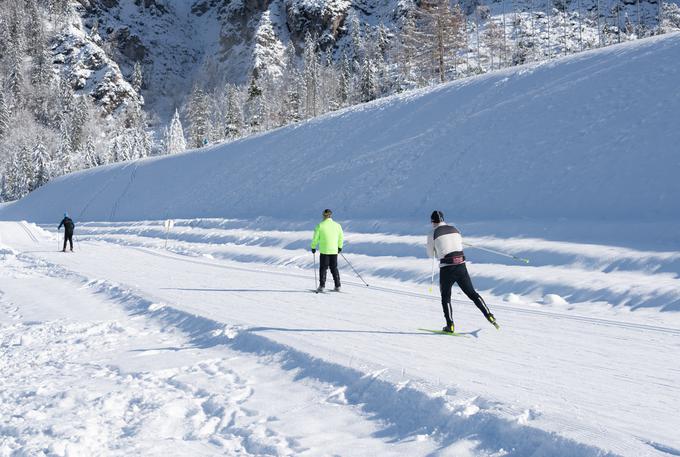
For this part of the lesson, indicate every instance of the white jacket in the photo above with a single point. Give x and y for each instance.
(445, 242)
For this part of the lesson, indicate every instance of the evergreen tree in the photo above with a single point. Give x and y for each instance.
(311, 75)
(89, 154)
(78, 119)
(344, 81)
(233, 117)
(42, 64)
(174, 141)
(137, 80)
(383, 41)
(293, 106)
(26, 175)
(369, 85)
(254, 105)
(64, 152)
(199, 118)
(15, 80)
(136, 138)
(4, 115)
(357, 40)
(12, 179)
(41, 159)
(34, 28)
(116, 152)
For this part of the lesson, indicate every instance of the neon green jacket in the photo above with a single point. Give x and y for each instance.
(328, 236)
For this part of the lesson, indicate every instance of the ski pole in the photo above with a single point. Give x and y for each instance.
(432, 277)
(352, 267)
(58, 239)
(493, 251)
(315, 280)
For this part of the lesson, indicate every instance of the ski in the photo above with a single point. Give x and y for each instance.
(440, 332)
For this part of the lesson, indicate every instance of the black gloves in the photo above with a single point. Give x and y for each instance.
(339, 250)
(313, 251)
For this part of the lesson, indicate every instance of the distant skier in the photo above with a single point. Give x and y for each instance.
(446, 243)
(69, 226)
(328, 237)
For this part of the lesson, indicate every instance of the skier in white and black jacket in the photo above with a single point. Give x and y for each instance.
(446, 243)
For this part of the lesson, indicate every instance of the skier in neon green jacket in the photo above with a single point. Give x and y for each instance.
(328, 238)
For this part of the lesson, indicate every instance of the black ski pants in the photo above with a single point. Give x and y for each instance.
(327, 261)
(68, 236)
(458, 274)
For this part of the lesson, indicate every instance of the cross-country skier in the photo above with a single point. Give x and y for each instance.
(446, 243)
(328, 237)
(68, 224)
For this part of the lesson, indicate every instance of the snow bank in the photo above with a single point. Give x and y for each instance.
(591, 136)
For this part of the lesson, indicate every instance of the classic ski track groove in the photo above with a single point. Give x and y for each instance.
(121, 293)
(28, 231)
(551, 314)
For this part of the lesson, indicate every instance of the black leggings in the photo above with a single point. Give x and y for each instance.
(458, 274)
(68, 236)
(327, 261)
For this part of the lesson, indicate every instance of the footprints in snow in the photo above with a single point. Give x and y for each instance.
(188, 409)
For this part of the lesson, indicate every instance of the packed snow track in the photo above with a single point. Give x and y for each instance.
(213, 349)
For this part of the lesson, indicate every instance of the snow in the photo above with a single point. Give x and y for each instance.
(502, 393)
(215, 345)
(558, 140)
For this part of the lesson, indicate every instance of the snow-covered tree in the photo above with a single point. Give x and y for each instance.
(344, 81)
(357, 40)
(311, 75)
(199, 118)
(137, 79)
(369, 85)
(4, 115)
(174, 140)
(41, 160)
(254, 106)
(233, 116)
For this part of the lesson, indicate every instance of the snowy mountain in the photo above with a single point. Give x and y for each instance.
(211, 43)
(588, 137)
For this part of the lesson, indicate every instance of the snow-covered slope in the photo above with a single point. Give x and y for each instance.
(592, 136)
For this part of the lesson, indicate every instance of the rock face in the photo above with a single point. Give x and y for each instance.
(182, 42)
(179, 43)
(79, 55)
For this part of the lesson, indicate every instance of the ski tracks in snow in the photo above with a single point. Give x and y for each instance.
(404, 411)
(108, 387)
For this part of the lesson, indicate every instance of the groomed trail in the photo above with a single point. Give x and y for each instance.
(551, 382)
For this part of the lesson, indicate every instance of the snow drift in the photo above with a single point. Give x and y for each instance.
(591, 136)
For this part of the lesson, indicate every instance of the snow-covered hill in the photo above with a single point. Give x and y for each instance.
(588, 137)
